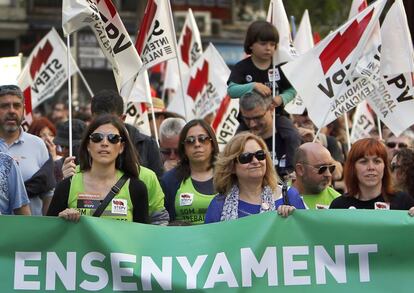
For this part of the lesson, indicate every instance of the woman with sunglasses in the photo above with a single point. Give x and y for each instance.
(368, 180)
(247, 182)
(188, 188)
(106, 154)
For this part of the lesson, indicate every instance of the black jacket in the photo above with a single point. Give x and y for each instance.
(149, 154)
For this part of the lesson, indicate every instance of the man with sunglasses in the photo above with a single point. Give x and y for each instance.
(314, 167)
(395, 143)
(29, 151)
(170, 130)
(257, 113)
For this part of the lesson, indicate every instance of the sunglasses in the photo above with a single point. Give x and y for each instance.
(394, 166)
(246, 158)
(168, 151)
(202, 138)
(98, 137)
(392, 145)
(322, 169)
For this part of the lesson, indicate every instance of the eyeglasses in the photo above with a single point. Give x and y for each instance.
(112, 138)
(202, 138)
(168, 151)
(322, 169)
(256, 118)
(394, 166)
(246, 158)
(392, 145)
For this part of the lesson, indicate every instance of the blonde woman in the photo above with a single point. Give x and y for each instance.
(246, 182)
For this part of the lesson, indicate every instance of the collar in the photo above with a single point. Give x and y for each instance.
(19, 140)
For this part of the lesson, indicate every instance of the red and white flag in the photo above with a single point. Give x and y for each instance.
(101, 16)
(45, 71)
(206, 85)
(189, 50)
(362, 123)
(356, 7)
(225, 123)
(324, 77)
(276, 15)
(156, 36)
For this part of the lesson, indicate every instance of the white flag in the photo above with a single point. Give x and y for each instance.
(322, 76)
(356, 7)
(45, 70)
(304, 39)
(363, 122)
(137, 115)
(101, 16)
(225, 123)
(156, 36)
(277, 16)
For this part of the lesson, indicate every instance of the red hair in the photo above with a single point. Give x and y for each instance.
(361, 148)
(40, 123)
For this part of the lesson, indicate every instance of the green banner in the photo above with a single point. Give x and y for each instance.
(310, 251)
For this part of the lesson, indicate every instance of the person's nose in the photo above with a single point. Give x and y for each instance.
(173, 155)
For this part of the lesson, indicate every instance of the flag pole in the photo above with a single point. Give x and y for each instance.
(379, 127)
(348, 137)
(179, 64)
(69, 94)
(274, 158)
(85, 83)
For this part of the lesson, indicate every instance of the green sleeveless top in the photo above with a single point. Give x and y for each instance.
(119, 208)
(191, 205)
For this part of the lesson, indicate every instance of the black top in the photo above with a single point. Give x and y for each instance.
(138, 193)
(398, 201)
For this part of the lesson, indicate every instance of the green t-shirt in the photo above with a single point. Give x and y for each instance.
(155, 193)
(321, 200)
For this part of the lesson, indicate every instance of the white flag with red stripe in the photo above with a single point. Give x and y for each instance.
(156, 36)
(324, 76)
(101, 16)
(225, 123)
(356, 7)
(45, 70)
(206, 85)
(276, 15)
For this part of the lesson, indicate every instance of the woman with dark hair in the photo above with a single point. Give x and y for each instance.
(188, 188)
(368, 180)
(106, 154)
(402, 168)
(43, 128)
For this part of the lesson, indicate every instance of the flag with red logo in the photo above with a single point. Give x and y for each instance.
(205, 86)
(324, 77)
(189, 50)
(45, 71)
(225, 123)
(156, 36)
(101, 16)
(356, 7)
(276, 15)
(362, 123)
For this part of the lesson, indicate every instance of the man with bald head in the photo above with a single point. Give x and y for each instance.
(314, 167)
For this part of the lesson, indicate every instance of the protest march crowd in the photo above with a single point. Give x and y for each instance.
(96, 164)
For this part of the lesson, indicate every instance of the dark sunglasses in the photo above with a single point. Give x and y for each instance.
(401, 145)
(202, 138)
(246, 158)
(168, 151)
(98, 137)
(322, 169)
(394, 166)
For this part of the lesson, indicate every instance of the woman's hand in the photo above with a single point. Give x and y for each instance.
(72, 215)
(285, 210)
(51, 147)
(69, 167)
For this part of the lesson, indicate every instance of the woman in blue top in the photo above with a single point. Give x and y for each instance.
(247, 182)
(188, 188)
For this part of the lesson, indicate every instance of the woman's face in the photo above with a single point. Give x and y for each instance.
(255, 169)
(104, 151)
(198, 146)
(46, 134)
(369, 171)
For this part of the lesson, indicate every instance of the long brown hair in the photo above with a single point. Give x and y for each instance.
(361, 148)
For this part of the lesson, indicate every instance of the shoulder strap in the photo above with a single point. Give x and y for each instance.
(111, 194)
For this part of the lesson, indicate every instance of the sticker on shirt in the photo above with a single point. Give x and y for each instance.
(119, 206)
(186, 199)
(273, 74)
(379, 205)
(88, 201)
(321, 206)
(249, 78)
